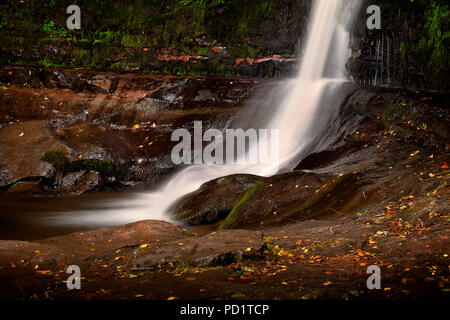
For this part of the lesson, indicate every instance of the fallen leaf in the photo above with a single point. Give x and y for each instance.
(44, 271)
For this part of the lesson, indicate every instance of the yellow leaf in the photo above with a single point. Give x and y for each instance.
(171, 298)
(143, 245)
(44, 271)
(138, 295)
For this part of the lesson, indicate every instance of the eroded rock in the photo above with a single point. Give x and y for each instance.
(22, 146)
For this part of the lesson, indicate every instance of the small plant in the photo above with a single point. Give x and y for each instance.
(45, 63)
(104, 37)
(57, 159)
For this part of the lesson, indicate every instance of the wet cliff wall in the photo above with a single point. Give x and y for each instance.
(248, 38)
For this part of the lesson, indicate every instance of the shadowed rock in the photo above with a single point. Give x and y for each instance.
(21, 147)
(214, 200)
(217, 248)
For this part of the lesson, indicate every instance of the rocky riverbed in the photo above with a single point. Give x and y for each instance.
(374, 193)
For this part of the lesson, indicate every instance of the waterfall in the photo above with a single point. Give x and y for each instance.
(304, 108)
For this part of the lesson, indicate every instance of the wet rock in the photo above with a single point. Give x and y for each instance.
(90, 182)
(214, 200)
(22, 146)
(90, 141)
(151, 172)
(88, 86)
(72, 178)
(104, 82)
(27, 188)
(250, 201)
(76, 247)
(296, 195)
(217, 248)
(259, 67)
(205, 95)
(53, 78)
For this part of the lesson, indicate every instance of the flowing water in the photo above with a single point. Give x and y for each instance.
(300, 110)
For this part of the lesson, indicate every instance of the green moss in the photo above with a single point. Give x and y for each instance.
(62, 164)
(435, 41)
(132, 40)
(105, 167)
(240, 206)
(106, 37)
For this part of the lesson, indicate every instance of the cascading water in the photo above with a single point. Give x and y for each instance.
(306, 106)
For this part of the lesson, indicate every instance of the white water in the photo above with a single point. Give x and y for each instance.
(299, 117)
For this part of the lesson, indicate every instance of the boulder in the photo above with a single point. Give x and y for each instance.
(245, 201)
(72, 178)
(294, 196)
(214, 200)
(22, 146)
(109, 239)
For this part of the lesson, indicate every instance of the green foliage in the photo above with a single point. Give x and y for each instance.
(436, 34)
(104, 37)
(240, 206)
(57, 159)
(62, 164)
(52, 31)
(45, 63)
(105, 167)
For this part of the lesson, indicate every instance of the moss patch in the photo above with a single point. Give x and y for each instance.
(57, 159)
(105, 167)
(240, 206)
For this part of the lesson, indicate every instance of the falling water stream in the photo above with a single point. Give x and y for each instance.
(305, 105)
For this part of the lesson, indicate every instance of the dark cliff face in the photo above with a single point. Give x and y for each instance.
(248, 38)
(257, 38)
(410, 50)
